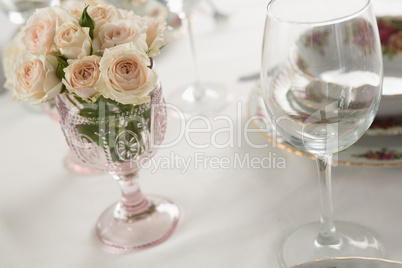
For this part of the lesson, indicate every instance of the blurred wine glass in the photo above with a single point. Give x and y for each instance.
(198, 97)
(18, 11)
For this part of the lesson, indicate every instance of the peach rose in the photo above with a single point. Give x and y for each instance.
(119, 32)
(12, 53)
(73, 41)
(35, 78)
(75, 7)
(101, 13)
(155, 34)
(126, 14)
(125, 76)
(41, 28)
(82, 75)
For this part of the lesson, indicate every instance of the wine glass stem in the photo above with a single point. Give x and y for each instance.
(327, 234)
(132, 202)
(197, 90)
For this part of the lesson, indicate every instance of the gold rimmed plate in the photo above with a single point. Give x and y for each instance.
(373, 151)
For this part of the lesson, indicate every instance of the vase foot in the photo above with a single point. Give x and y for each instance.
(141, 231)
(355, 241)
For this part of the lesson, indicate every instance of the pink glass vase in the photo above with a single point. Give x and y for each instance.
(71, 161)
(118, 139)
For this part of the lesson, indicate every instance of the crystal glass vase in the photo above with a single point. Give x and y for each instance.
(71, 161)
(119, 139)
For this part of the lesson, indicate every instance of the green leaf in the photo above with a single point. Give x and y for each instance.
(87, 21)
(61, 64)
(63, 89)
(106, 124)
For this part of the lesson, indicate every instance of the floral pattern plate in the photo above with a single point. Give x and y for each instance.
(389, 115)
(390, 29)
(368, 151)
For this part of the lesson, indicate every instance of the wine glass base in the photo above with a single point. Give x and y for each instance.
(202, 99)
(355, 241)
(141, 231)
(75, 166)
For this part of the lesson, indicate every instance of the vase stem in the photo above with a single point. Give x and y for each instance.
(327, 235)
(132, 203)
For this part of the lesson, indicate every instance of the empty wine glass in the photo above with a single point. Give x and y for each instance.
(198, 97)
(321, 79)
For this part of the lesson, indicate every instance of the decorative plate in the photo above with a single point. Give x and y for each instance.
(351, 263)
(368, 151)
(390, 29)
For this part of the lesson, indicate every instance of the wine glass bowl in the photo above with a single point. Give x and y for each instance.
(118, 139)
(328, 107)
(321, 78)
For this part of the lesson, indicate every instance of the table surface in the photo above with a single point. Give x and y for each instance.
(231, 216)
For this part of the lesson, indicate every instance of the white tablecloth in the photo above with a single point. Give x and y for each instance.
(234, 217)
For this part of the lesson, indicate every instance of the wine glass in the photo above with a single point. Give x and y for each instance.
(197, 97)
(18, 11)
(321, 78)
(118, 139)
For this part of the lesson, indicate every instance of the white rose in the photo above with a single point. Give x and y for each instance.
(155, 34)
(125, 76)
(75, 7)
(101, 13)
(126, 14)
(73, 41)
(119, 32)
(12, 53)
(35, 78)
(41, 28)
(82, 75)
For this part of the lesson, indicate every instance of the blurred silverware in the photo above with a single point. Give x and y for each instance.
(249, 77)
(2, 79)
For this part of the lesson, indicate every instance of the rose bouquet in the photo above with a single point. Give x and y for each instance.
(97, 55)
(85, 50)
(95, 60)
